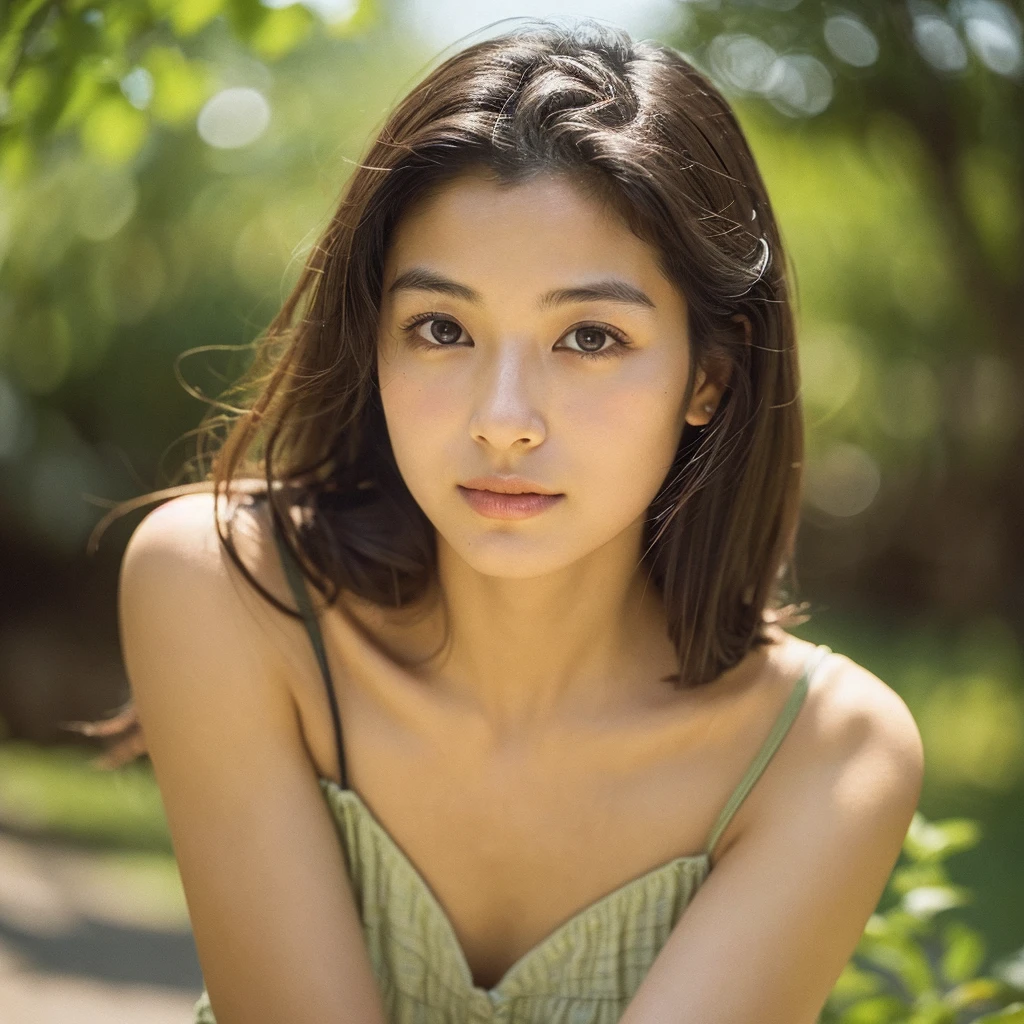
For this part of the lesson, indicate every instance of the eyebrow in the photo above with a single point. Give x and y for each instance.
(612, 289)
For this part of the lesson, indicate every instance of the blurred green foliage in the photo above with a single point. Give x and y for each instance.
(916, 962)
(112, 265)
(111, 72)
(58, 793)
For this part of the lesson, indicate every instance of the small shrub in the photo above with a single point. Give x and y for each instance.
(917, 963)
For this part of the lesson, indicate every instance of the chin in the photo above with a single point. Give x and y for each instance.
(505, 555)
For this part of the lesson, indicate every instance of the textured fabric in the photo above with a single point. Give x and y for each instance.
(585, 972)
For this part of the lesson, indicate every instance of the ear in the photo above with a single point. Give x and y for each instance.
(713, 378)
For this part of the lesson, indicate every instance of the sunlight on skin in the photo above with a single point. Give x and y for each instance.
(552, 605)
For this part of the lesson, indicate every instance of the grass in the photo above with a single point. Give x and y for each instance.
(57, 793)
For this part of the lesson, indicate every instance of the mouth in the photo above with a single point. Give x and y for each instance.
(508, 505)
(507, 485)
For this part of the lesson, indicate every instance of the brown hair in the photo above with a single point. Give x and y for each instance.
(634, 123)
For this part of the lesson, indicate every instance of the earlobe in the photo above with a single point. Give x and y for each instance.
(706, 397)
(703, 405)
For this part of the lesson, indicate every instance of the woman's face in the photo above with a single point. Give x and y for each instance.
(494, 361)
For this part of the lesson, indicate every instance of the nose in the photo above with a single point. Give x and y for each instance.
(505, 413)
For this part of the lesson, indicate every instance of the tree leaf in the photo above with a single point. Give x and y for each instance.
(964, 952)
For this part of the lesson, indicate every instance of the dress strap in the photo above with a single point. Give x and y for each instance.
(297, 582)
(786, 718)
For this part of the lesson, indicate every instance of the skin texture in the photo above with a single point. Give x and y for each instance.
(543, 728)
(550, 613)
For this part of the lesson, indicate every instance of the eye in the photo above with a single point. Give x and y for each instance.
(443, 331)
(592, 338)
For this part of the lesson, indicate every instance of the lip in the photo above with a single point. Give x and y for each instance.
(499, 505)
(507, 485)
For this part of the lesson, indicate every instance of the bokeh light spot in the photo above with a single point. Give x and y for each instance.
(830, 369)
(994, 32)
(843, 481)
(799, 85)
(128, 280)
(137, 87)
(851, 40)
(105, 202)
(742, 61)
(233, 118)
(939, 44)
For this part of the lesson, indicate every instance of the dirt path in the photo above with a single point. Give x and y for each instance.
(90, 937)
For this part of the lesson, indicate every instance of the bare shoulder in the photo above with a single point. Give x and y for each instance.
(863, 723)
(854, 739)
(178, 544)
(194, 629)
(192, 625)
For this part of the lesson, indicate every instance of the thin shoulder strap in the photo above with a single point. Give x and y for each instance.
(786, 718)
(297, 582)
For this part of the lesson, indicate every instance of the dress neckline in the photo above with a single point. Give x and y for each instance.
(697, 863)
(700, 862)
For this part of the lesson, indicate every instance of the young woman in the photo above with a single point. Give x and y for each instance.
(468, 689)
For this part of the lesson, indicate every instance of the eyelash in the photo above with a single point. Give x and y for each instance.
(621, 341)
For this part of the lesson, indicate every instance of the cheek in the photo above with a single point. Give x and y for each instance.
(629, 429)
(417, 409)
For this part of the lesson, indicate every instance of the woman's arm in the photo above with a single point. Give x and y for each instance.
(781, 913)
(272, 908)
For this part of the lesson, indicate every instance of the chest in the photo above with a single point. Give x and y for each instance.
(513, 842)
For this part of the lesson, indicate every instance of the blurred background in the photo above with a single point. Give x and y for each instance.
(165, 166)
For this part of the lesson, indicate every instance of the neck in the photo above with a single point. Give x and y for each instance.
(580, 642)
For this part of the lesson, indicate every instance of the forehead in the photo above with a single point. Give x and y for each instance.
(527, 233)
(478, 189)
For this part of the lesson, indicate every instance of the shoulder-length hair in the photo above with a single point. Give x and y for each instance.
(635, 124)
